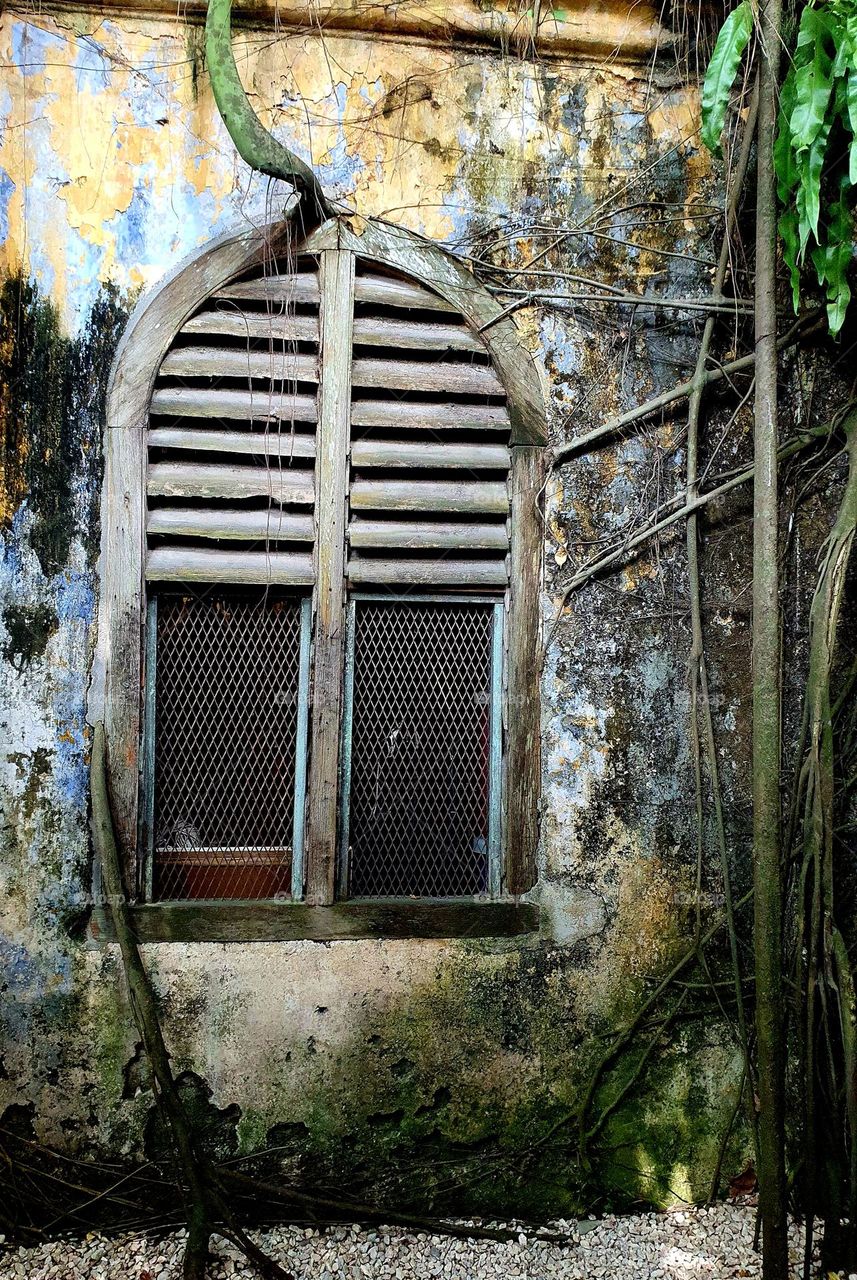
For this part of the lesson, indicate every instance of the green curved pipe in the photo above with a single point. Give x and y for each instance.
(259, 148)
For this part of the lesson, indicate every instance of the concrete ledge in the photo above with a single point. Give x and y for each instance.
(241, 921)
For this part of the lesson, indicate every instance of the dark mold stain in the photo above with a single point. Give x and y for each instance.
(52, 402)
(30, 627)
(213, 1127)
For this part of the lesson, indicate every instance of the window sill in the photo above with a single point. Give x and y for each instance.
(242, 921)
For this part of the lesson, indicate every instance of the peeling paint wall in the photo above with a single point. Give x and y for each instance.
(369, 1056)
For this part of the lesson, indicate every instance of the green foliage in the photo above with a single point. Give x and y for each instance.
(720, 77)
(815, 151)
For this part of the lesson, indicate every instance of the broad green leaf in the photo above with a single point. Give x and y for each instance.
(813, 69)
(788, 230)
(808, 193)
(840, 250)
(722, 70)
(784, 157)
(851, 99)
(832, 257)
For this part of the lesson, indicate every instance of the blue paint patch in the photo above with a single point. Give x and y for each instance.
(340, 172)
(131, 232)
(555, 347)
(91, 66)
(21, 974)
(75, 600)
(71, 776)
(33, 47)
(7, 186)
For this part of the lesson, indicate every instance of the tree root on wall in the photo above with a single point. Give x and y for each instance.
(209, 1189)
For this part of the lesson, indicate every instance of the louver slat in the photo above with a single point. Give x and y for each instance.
(187, 564)
(218, 402)
(226, 362)
(247, 324)
(250, 526)
(400, 453)
(396, 535)
(193, 480)
(386, 292)
(434, 573)
(372, 332)
(430, 495)
(429, 417)
(297, 288)
(228, 391)
(407, 375)
(268, 444)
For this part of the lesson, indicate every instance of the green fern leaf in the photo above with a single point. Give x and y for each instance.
(813, 74)
(788, 229)
(722, 70)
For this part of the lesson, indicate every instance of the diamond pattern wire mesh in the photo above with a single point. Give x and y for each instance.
(420, 750)
(226, 724)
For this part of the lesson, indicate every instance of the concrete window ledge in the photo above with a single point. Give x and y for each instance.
(290, 922)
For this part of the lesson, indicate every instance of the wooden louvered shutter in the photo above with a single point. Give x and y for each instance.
(327, 422)
(232, 437)
(428, 491)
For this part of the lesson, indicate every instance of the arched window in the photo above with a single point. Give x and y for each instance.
(319, 624)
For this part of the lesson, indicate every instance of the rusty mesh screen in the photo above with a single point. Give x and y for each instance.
(226, 724)
(418, 810)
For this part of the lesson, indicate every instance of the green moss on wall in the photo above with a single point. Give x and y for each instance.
(463, 1096)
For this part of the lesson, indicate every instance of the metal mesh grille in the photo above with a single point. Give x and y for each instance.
(419, 749)
(226, 724)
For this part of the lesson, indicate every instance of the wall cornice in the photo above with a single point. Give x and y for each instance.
(595, 32)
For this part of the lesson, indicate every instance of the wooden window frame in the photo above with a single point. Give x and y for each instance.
(117, 694)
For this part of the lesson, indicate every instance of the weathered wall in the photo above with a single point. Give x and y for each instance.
(113, 165)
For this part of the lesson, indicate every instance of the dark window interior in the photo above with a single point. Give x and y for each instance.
(420, 732)
(226, 724)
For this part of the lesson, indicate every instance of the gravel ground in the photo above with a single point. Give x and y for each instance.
(691, 1244)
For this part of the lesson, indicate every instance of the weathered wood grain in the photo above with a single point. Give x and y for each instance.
(271, 443)
(291, 921)
(276, 327)
(232, 362)
(388, 292)
(429, 417)
(192, 564)
(399, 535)
(331, 479)
(225, 402)
(372, 331)
(427, 375)
(301, 287)
(425, 573)
(409, 453)
(523, 672)
(117, 670)
(274, 526)
(198, 480)
(487, 497)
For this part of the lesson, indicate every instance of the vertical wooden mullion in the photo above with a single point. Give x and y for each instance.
(523, 675)
(495, 755)
(345, 769)
(334, 419)
(301, 746)
(147, 761)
